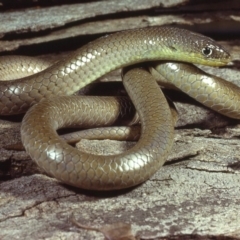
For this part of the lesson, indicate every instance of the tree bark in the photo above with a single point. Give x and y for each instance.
(195, 195)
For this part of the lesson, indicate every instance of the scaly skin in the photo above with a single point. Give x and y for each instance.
(88, 63)
(212, 91)
(105, 54)
(89, 171)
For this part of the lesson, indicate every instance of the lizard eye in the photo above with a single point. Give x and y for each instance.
(207, 51)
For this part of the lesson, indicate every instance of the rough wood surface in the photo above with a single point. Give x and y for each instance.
(34, 26)
(196, 195)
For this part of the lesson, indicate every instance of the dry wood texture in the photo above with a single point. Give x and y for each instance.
(196, 195)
